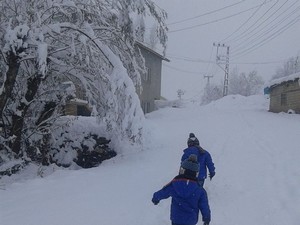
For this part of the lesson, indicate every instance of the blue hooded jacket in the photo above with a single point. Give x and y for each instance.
(204, 159)
(187, 199)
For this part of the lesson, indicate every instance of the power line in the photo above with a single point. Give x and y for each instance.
(181, 70)
(217, 20)
(273, 29)
(267, 39)
(243, 24)
(195, 60)
(271, 37)
(189, 59)
(205, 14)
(267, 24)
(257, 63)
(210, 61)
(243, 34)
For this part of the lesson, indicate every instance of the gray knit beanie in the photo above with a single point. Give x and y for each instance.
(191, 164)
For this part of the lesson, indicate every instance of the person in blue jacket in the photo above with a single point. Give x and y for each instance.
(188, 197)
(203, 156)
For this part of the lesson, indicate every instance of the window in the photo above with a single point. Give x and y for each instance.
(283, 99)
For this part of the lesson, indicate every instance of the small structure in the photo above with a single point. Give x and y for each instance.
(77, 107)
(151, 81)
(285, 94)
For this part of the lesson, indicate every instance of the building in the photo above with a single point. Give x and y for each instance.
(151, 85)
(285, 94)
(151, 81)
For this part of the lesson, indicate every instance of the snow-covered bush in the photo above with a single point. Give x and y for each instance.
(82, 141)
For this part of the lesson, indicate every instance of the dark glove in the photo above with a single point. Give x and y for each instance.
(211, 175)
(155, 201)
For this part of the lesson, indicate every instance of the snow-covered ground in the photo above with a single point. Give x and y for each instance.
(256, 154)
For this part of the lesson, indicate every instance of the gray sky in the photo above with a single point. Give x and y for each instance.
(260, 37)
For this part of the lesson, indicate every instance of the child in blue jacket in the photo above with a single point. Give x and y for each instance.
(188, 197)
(203, 156)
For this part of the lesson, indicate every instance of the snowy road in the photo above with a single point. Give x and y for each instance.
(256, 154)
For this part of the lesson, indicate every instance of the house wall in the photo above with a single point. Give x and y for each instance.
(285, 96)
(151, 82)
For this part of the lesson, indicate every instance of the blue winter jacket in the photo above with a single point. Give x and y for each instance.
(187, 198)
(204, 159)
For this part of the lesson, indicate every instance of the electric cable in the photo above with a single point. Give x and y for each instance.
(244, 33)
(217, 20)
(243, 43)
(181, 70)
(243, 24)
(205, 14)
(266, 32)
(188, 59)
(194, 60)
(270, 37)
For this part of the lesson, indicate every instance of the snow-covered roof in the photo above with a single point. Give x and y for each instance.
(281, 80)
(143, 45)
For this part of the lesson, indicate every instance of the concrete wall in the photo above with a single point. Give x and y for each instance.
(285, 96)
(151, 83)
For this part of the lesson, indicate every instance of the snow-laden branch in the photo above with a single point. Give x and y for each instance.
(73, 27)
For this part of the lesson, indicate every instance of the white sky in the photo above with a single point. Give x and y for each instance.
(256, 154)
(192, 53)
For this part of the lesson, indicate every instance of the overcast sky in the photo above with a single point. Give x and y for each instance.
(261, 36)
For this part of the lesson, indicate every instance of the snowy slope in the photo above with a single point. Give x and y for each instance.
(256, 154)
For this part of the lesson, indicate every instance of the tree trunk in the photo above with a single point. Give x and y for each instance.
(11, 75)
(18, 120)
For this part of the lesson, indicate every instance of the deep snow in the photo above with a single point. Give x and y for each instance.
(256, 154)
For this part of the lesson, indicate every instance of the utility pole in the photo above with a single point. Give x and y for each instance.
(296, 64)
(208, 78)
(223, 59)
(180, 92)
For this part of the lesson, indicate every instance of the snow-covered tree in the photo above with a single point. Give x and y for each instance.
(239, 83)
(48, 43)
(211, 93)
(245, 84)
(292, 65)
(153, 40)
